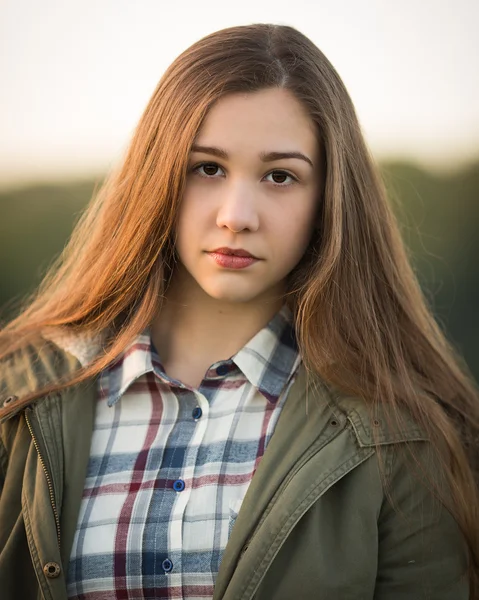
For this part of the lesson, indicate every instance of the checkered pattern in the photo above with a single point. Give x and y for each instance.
(163, 486)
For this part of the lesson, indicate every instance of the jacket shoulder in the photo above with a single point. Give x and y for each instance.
(32, 367)
(378, 425)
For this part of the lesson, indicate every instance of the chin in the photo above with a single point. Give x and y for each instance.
(228, 294)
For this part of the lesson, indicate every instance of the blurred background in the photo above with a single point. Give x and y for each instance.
(76, 76)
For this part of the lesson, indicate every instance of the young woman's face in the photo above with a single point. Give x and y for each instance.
(243, 194)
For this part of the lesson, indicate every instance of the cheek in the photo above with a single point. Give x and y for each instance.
(189, 223)
(196, 207)
(294, 231)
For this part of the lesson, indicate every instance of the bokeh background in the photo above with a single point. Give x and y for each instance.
(76, 76)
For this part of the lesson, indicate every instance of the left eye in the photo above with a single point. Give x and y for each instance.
(281, 177)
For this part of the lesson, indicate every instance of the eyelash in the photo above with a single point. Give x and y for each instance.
(196, 168)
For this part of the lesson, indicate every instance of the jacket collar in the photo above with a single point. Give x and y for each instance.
(29, 370)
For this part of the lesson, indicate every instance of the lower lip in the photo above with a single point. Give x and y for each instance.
(229, 261)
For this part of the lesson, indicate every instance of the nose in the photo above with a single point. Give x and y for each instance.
(238, 209)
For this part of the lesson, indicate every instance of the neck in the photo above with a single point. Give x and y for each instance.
(192, 326)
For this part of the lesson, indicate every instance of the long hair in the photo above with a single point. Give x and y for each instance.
(362, 322)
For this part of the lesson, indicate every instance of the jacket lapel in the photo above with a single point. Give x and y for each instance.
(308, 421)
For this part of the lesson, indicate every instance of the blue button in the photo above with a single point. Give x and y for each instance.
(222, 370)
(167, 565)
(197, 412)
(179, 485)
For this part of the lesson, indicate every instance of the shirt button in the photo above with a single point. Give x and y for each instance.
(179, 485)
(167, 565)
(222, 370)
(197, 412)
(52, 570)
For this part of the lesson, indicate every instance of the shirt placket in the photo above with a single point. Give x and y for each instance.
(195, 410)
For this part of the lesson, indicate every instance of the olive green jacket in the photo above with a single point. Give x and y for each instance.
(316, 522)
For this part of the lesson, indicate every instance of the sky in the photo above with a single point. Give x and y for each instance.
(75, 76)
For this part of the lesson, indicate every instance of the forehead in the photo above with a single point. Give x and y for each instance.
(265, 120)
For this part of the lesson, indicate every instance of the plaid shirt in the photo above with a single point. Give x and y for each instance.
(170, 465)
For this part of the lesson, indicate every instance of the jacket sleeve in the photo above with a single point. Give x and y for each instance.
(422, 553)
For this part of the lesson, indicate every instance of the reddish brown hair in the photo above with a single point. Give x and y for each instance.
(363, 324)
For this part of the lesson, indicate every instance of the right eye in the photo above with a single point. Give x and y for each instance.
(208, 170)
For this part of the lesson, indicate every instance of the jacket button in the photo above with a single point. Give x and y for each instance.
(52, 570)
(9, 400)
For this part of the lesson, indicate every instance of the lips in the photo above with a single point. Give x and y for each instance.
(233, 252)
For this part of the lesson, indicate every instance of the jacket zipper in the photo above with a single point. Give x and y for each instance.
(47, 477)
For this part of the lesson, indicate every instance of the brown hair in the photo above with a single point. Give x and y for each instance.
(363, 324)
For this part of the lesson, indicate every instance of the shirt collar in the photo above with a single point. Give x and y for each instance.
(268, 360)
(136, 360)
(271, 357)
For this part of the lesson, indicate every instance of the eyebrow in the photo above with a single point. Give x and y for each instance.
(264, 156)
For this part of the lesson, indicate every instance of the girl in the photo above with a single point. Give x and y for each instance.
(230, 385)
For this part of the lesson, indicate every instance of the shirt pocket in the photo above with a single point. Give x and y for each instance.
(234, 507)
